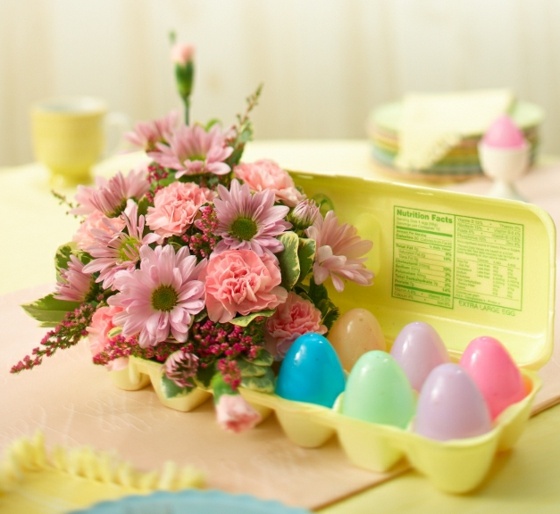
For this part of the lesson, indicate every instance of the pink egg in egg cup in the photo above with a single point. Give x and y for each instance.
(504, 156)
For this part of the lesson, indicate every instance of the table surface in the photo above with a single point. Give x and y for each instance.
(523, 480)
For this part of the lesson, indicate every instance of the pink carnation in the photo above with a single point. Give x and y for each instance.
(175, 208)
(267, 175)
(235, 414)
(98, 334)
(293, 318)
(242, 282)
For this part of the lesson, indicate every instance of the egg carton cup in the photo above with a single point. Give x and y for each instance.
(455, 466)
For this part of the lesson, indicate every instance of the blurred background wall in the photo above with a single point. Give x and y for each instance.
(324, 63)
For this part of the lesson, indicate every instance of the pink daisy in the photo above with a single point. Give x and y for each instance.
(193, 151)
(116, 250)
(161, 297)
(73, 284)
(249, 221)
(147, 134)
(93, 223)
(175, 208)
(340, 252)
(110, 196)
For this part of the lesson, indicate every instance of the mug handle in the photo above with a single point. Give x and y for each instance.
(116, 124)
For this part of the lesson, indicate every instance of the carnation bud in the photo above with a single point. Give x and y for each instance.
(181, 53)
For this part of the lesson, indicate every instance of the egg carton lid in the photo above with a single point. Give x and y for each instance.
(468, 265)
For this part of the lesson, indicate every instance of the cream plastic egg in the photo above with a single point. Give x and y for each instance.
(356, 332)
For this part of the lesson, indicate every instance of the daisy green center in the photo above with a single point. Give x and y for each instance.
(164, 298)
(243, 228)
(197, 157)
(128, 249)
(117, 211)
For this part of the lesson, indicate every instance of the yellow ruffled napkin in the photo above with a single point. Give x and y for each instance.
(32, 481)
(431, 124)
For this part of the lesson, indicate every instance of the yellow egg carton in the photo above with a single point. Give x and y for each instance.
(496, 263)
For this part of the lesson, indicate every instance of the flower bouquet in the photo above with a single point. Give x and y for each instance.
(198, 261)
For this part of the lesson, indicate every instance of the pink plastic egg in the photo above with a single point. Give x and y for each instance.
(497, 376)
(418, 349)
(450, 406)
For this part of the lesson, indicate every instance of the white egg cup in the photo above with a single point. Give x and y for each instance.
(504, 166)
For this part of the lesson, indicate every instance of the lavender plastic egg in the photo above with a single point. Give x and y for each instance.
(418, 349)
(450, 406)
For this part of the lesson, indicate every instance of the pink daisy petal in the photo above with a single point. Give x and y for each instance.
(340, 252)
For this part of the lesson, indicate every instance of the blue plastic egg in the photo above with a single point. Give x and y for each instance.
(311, 372)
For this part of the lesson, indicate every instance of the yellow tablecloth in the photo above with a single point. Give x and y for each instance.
(524, 480)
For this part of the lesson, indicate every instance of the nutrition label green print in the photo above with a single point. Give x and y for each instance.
(440, 259)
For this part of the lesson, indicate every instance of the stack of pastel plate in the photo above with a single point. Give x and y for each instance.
(460, 162)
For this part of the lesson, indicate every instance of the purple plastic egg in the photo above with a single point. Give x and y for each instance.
(418, 349)
(450, 406)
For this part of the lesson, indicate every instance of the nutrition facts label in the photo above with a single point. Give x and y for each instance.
(440, 259)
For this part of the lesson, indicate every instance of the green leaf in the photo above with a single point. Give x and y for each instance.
(264, 384)
(63, 254)
(319, 295)
(250, 369)
(204, 375)
(306, 256)
(288, 259)
(243, 321)
(49, 310)
(211, 123)
(171, 390)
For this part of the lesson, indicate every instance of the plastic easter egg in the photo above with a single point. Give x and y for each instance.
(497, 376)
(377, 390)
(354, 333)
(418, 349)
(450, 406)
(311, 372)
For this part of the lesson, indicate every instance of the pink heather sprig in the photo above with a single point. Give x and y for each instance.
(157, 174)
(201, 242)
(212, 341)
(230, 372)
(67, 333)
(119, 346)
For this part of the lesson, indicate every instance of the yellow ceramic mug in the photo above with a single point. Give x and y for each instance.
(69, 136)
